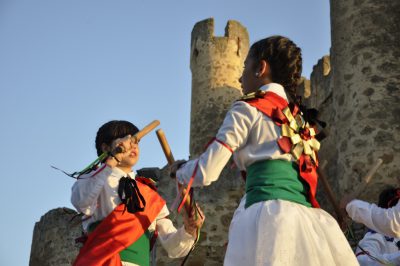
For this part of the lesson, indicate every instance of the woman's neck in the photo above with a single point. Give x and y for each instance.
(125, 169)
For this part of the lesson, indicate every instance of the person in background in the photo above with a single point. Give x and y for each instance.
(382, 220)
(376, 249)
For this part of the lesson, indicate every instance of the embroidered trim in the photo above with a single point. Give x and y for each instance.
(220, 142)
(224, 144)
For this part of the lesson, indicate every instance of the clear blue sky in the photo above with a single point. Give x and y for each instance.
(66, 67)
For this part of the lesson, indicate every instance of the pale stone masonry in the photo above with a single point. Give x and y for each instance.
(357, 90)
(53, 241)
(366, 92)
(216, 64)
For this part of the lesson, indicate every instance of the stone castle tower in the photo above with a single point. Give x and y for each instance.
(356, 89)
(216, 64)
(366, 95)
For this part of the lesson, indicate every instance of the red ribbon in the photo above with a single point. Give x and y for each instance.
(308, 171)
(285, 144)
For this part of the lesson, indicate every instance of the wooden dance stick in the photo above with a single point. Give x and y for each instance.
(328, 189)
(170, 158)
(366, 180)
(353, 195)
(138, 136)
(165, 146)
(146, 129)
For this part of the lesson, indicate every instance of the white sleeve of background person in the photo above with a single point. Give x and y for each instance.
(233, 133)
(177, 242)
(384, 221)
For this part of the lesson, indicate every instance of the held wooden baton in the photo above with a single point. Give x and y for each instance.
(170, 158)
(329, 191)
(188, 208)
(138, 135)
(165, 146)
(146, 129)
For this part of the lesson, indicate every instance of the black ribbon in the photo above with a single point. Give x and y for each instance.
(311, 115)
(130, 196)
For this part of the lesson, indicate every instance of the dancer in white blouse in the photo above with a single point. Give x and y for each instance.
(99, 193)
(274, 223)
(384, 221)
(376, 249)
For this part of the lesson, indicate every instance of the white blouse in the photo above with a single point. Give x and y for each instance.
(380, 247)
(384, 221)
(96, 196)
(247, 133)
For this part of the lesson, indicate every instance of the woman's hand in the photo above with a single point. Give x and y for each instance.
(119, 148)
(173, 168)
(194, 221)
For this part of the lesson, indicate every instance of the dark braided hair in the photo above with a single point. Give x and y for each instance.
(284, 59)
(285, 62)
(112, 130)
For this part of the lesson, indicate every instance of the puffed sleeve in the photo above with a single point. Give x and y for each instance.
(384, 221)
(231, 135)
(177, 242)
(87, 188)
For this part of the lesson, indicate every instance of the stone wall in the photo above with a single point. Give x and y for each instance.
(356, 90)
(53, 241)
(366, 91)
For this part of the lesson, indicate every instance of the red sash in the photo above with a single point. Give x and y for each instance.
(118, 231)
(271, 105)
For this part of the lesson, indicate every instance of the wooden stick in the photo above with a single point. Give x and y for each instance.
(355, 194)
(329, 191)
(146, 129)
(170, 158)
(137, 136)
(165, 146)
(367, 179)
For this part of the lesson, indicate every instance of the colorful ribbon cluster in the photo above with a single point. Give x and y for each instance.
(297, 136)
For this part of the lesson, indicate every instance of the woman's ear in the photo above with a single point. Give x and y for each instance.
(264, 70)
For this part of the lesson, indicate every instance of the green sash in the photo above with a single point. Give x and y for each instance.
(138, 252)
(275, 179)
